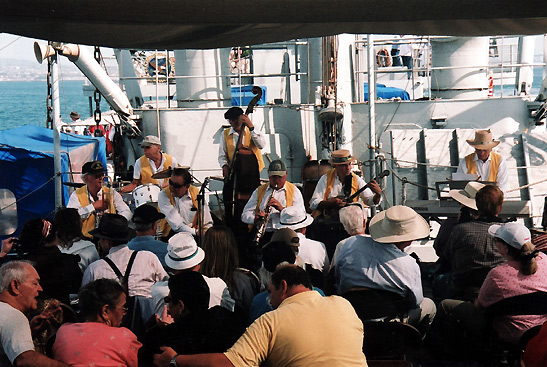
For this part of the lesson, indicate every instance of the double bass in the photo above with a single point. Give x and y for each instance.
(236, 192)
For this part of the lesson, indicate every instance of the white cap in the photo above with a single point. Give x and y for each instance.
(150, 140)
(512, 233)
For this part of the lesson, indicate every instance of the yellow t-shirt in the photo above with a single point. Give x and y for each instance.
(305, 330)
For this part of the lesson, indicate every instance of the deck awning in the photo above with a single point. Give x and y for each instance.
(201, 24)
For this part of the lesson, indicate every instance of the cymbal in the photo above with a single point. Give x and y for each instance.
(74, 184)
(166, 173)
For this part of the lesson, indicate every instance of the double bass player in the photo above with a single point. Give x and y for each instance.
(241, 160)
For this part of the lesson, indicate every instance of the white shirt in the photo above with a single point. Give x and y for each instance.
(248, 214)
(85, 211)
(146, 270)
(367, 196)
(180, 216)
(256, 136)
(313, 253)
(483, 170)
(15, 335)
(137, 168)
(85, 249)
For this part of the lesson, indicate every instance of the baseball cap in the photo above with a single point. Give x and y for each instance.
(514, 234)
(92, 167)
(150, 140)
(277, 168)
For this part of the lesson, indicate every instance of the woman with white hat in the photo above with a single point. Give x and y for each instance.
(487, 165)
(524, 271)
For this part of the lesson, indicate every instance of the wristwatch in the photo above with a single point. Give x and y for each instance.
(173, 362)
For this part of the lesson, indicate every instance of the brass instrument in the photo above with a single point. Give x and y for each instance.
(107, 198)
(261, 225)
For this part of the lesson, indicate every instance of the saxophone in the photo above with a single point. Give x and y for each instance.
(261, 225)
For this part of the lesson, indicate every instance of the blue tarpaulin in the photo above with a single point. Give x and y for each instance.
(27, 168)
(384, 92)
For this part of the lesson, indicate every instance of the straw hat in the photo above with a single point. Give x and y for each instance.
(183, 252)
(294, 218)
(397, 224)
(483, 140)
(341, 156)
(467, 195)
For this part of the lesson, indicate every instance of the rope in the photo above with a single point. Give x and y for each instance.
(30, 193)
(526, 186)
(404, 180)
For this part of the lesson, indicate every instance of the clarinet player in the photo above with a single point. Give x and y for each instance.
(272, 197)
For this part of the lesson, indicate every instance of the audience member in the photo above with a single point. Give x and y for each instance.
(60, 273)
(304, 330)
(222, 261)
(183, 254)
(70, 240)
(196, 328)
(379, 262)
(471, 251)
(99, 341)
(524, 271)
(19, 288)
(535, 354)
(146, 219)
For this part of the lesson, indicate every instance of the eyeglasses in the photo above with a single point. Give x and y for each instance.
(175, 185)
(123, 308)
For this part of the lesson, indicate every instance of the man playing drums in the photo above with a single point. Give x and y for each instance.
(153, 161)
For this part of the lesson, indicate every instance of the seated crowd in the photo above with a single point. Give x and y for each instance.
(113, 296)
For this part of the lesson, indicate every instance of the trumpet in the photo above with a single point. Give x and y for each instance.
(261, 225)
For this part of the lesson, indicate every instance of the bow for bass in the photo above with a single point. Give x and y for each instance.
(350, 198)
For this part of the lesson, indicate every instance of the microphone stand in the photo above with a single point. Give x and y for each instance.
(201, 202)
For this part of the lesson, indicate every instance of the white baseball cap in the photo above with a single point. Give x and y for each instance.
(514, 234)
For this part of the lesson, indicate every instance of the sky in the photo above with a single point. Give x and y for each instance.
(22, 48)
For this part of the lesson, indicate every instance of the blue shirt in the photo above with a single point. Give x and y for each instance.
(148, 243)
(363, 262)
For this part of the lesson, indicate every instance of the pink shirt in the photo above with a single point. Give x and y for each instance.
(96, 344)
(505, 281)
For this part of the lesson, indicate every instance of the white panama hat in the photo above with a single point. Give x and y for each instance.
(467, 195)
(293, 218)
(396, 224)
(183, 252)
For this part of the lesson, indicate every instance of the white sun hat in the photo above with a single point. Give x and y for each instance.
(467, 195)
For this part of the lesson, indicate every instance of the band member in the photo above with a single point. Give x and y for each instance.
(264, 199)
(153, 161)
(487, 165)
(94, 199)
(179, 204)
(248, 164)
(329, 196)
(340, 181)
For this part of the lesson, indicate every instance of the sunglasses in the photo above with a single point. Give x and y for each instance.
(175, 185)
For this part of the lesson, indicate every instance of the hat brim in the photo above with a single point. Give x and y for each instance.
(462, 198)
(420, 229)
(493, 229)
(277, 173)
(350, 160)
(305, 223)
(185, 264)
(97, 234)
(482, 145)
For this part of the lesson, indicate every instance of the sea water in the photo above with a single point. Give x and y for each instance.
(24, 102)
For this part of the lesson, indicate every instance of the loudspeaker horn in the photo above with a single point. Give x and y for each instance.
(42, 52)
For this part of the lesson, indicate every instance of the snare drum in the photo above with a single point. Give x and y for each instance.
(146, 194)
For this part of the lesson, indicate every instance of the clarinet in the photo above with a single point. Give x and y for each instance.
(261, 226)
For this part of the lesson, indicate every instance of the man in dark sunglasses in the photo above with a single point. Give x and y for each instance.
(94, 199)
(179, 204)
